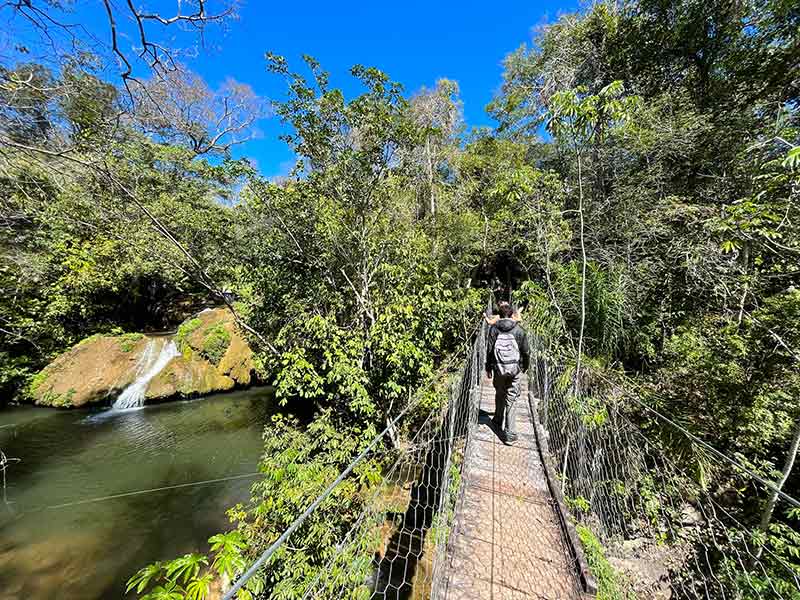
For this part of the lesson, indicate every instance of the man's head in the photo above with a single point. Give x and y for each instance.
(504, 309)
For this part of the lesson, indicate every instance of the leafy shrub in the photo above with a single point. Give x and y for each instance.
(37, 380)
(298, 464)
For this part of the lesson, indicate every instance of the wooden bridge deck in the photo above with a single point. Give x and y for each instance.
(507, 541)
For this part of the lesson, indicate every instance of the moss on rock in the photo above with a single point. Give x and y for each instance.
(609, 584)
(186, 329)
(214, 357)
(216, 341)
(128, 341)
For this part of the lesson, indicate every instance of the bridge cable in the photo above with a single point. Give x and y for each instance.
(136, 493)
(151, 490)
(732, 461)
(320, 499)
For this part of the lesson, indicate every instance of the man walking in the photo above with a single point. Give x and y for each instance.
(507, 357)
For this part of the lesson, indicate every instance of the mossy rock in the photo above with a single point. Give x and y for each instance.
(94, 370)
(238, 363)
(215, 357)
(186, 329)
(187, 379)
(215, 337)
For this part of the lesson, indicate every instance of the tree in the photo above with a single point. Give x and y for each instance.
(27, 93)
(579, 120)
(437, 115)
(345, 249)
(179, 108)
(47, 24)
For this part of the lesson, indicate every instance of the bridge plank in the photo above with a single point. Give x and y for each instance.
(506, 541)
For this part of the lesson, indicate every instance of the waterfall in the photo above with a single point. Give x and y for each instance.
(149, 365)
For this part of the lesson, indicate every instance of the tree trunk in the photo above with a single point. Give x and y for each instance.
(430, 175)
(583, 272)
(766, 516)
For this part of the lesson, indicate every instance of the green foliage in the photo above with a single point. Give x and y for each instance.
(168, 591)
(578, 505)
(188, 576)
(227, 549)
(37, 380)
(609, 584)
(578, 116)
(186, 567)
(199, 587)
(591, 411)
(80, 259)
(608, 320)
(298, 464)
(673, 163)
(141, 580)
(749, 385)
(781, 557)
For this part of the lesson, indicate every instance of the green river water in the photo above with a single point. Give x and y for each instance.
(87, 551)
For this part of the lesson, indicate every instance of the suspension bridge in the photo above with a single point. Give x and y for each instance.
(459, 515)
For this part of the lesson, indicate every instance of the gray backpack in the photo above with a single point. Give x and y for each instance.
(506, 353)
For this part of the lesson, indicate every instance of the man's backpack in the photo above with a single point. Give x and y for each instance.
(506, 353)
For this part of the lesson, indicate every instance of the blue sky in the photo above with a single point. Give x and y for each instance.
(415, 42)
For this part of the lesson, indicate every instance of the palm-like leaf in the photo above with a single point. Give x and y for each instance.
(229, 563)
(198, 588)
(228, 548)
(227, 542)
(255, 585)
(186, 567)
(168, 591)
(143, 577)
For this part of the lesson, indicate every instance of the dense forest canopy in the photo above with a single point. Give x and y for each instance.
(640, 194)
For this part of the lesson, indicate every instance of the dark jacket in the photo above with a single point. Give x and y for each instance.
(519, 335)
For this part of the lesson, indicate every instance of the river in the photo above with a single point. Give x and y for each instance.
(56, 546)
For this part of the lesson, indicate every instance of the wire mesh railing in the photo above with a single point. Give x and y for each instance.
(680, 531)
(400, 540)
(395, 548)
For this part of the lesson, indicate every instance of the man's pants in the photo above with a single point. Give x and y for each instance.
(506, 394)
